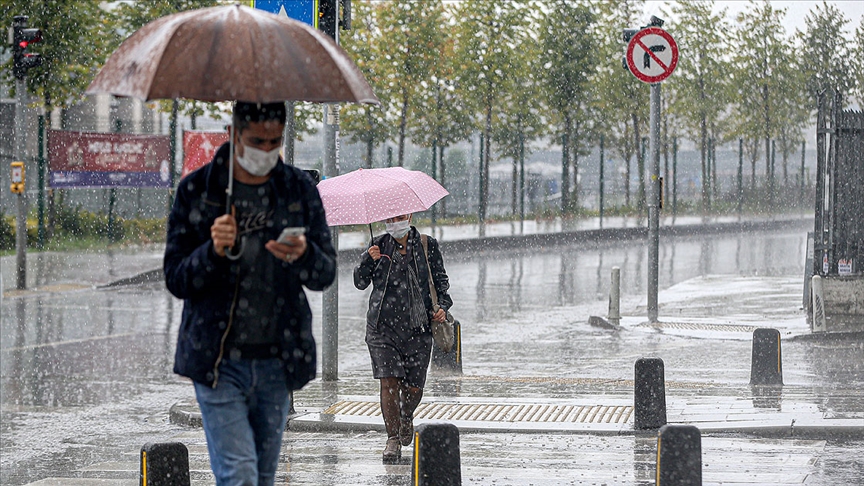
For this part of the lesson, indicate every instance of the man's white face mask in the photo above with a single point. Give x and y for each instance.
(258, 162)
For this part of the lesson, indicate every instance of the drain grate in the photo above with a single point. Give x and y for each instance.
(596, 414)
(693, 326)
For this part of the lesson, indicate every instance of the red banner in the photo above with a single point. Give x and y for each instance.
(199, 148)
(90, 159)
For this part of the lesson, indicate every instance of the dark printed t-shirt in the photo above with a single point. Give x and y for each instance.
(254, 333)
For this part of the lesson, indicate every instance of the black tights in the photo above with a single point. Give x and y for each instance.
(398, 400)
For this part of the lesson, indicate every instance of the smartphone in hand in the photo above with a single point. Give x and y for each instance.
(289, 232)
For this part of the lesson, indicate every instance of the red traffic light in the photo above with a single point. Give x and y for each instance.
(22, 38)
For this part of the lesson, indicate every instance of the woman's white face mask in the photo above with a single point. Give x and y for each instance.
(398, 229)
(258, 162)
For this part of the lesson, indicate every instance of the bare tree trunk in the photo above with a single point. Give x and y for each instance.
(565, 163)
(370, 141)
(403, 124)
(443, 179)
(637, 137)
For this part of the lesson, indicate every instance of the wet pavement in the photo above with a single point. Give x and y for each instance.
(544, 398)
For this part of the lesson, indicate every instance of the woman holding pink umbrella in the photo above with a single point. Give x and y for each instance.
(397, 322)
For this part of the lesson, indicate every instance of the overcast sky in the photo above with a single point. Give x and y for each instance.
(796, 11)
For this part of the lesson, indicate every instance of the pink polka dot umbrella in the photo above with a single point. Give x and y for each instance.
(368, 195)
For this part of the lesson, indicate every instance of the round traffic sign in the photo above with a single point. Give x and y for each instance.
(652, 55)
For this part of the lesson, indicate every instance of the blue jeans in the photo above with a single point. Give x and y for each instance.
(244, 417)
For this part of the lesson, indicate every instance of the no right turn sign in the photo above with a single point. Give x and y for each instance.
(652, 55)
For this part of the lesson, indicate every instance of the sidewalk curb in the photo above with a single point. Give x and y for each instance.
(187, 414)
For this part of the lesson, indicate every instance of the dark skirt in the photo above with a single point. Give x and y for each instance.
(400, 354)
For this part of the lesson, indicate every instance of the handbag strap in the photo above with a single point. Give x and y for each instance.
(432, 292)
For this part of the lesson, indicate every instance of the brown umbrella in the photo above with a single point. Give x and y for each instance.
(232, 53)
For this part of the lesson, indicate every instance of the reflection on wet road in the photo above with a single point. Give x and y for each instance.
(86, 374)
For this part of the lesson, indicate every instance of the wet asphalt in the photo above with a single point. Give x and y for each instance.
(86, 366)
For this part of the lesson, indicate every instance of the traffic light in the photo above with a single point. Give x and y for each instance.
(328, 16)
(22, 37)
(333, 13)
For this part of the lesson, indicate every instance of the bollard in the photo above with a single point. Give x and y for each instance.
(679, 456)
(766, 367)
(452, 361)
(164, 464)
(817, 321)
(649, 397)
(615, 296)
(436, 456)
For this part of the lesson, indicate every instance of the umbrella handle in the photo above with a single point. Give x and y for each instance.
(371, 235)
(229, 191)
(240, 247)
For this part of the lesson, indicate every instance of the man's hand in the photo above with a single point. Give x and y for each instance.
(440, 315)
(375, 252)
(224, 232)
(293, 248)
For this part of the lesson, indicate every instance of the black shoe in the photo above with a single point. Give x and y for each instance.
(406, 431)
(393, 451)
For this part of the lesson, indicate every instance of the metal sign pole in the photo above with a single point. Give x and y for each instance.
(329, 24)
(654, 205)
(20, 155)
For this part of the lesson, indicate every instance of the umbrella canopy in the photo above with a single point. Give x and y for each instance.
(232, 53)
(368, 195)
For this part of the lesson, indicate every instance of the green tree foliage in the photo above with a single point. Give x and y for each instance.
(824, 55)
(622, 107)
(441, 116)
(566, 65)
(858, 63)
(520, 120)
(486, 34)
(367, 124)
(699, 82)
(410, 44)
(762, 59)
(77, 38)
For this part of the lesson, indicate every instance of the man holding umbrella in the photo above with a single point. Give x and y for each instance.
(245, 338)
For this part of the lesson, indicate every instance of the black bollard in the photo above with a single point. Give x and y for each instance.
(766, 366)
(649, 397)
(436, 456)
(679, 456)
(452, 361)
(164, 464)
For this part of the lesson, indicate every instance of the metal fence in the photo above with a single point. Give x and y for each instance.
(839, 222)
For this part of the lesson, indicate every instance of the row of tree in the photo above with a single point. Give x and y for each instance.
(524, 71)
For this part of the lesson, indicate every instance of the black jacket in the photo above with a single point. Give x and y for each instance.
(377, 272)
(208, 283)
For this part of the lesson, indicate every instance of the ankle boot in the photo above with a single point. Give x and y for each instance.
(393, 450)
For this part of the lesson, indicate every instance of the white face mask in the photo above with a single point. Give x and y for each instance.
(398, 229)
(258, 162)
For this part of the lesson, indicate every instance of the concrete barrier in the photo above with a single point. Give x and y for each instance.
(437, 461)
(649, 395)
(164, 464)
(766, 365)
(679, 456)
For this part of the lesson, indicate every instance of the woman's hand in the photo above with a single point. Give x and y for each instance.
(440, 315)
(374, 252)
